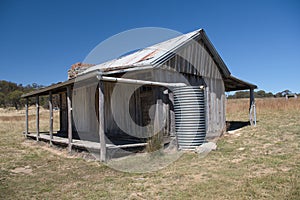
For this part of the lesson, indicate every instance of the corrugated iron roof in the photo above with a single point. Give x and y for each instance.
(147, 56)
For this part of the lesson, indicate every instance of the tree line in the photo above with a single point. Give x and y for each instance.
(10, 94)
(260, 94)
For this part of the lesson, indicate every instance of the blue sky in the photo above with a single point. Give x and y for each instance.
(258, 40)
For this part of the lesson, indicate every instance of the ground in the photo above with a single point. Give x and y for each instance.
(261, 162)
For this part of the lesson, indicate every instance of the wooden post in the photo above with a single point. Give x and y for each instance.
(26, 118)
(172, 114)
(101, 123)
(166, 109)
(70, 131)
(254, 113)
(37, 102)
(159, 119)
(157, 114)
(50, 117)
(252, 109)
(60, 112)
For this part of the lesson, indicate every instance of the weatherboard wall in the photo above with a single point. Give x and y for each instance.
(128, 109)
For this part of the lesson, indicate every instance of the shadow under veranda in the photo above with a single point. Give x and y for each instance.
(234, 125)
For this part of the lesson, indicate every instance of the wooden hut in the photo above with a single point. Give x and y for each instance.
(176, 87)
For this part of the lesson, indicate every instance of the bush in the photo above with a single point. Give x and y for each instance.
(155, 142)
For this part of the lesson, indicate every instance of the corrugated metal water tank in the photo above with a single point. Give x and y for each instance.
(189, 108)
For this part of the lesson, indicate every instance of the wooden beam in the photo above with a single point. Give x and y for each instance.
(127, 145)
(70, 131)
(50, 117)
(139, 82)
(37, 103)
(26, 118)
(101, 123)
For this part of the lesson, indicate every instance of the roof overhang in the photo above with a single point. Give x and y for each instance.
(232, 83)
(54, 88)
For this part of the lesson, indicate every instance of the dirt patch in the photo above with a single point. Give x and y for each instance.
(22, 170)
(136, 195)
(285, 169)
(237, 160)
(235, 133)
(54, 150)
(262, 172)
(199, 177)
(59, 151)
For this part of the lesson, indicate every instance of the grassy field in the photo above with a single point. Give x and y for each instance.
(261, 162)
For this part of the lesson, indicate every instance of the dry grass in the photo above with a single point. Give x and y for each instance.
(259, 162)
(12, 116)
(241, 106)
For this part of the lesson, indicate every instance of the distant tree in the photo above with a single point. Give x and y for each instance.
(44, 102)
(260, 94)
(286, 92)
(239, 94)
(34, 85)
(278, 94)
(242, 94)
(15, 97)
(2, 99)
(246, 94)
(10, 94)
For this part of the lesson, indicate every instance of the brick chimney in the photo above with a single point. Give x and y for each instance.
(77, 68)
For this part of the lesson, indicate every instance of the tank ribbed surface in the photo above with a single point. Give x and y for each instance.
(189, 108)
